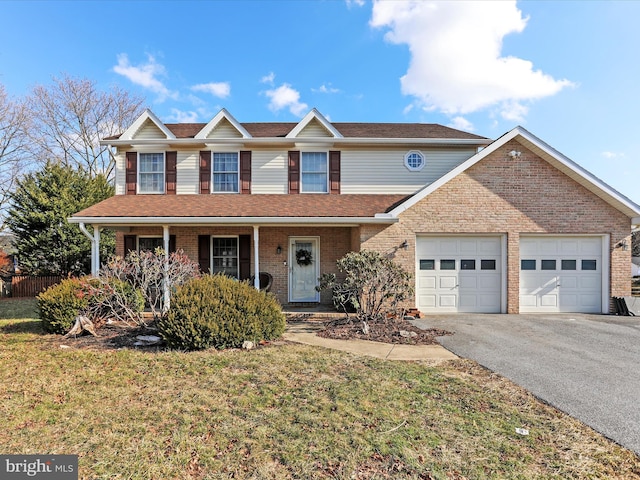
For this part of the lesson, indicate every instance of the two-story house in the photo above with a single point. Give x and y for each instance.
(507, 225)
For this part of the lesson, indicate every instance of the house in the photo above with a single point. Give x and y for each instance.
(508, 225)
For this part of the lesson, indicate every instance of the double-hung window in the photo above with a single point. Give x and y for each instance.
(151, 173)
(150, 243)
(313, 172)
(225, 172)
(225, 256)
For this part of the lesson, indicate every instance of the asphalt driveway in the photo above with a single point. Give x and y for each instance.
(585, 365)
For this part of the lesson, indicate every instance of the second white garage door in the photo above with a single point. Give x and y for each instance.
(561, 274)
(459, 274)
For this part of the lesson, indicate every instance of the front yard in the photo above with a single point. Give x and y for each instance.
(279, 411)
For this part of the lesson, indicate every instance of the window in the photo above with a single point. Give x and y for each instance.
(225, 172)
(151, 173)
(547, 264)
(150, 243)
(568, 265)
(447, 264)
(487, 264)
(225, 256)
(427, 264)
(313, 172)
(588, 265)
(527, 264)
(467, 264)
(414, 160)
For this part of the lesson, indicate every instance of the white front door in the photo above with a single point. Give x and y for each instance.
(304, 269)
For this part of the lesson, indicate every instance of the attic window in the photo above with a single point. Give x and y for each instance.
(414, 160)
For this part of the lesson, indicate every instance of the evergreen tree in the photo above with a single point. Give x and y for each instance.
(46, 243)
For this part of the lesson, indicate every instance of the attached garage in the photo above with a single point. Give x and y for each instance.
(562, 274)
(456, 274)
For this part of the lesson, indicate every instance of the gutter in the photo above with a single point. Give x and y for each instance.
(238, 221)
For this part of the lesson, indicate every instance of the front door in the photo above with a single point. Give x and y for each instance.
(304, 269)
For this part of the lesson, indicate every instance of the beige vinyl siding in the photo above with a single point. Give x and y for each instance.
(188, 172)
(120, 178)
(314, 129)
(383, 171)
(269, 171)
(149, 130)
(224, 129)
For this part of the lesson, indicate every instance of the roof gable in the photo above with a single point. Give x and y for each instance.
(223, 125)
(147, 126)
(314, 125)
(547, 153)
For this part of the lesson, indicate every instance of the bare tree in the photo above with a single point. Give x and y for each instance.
(72, 115)
(14, 123)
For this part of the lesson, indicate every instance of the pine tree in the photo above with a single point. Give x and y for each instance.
(46, 243)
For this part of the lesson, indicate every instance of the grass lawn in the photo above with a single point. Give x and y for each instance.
(277, 412)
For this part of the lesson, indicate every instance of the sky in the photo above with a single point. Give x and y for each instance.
(567, 71)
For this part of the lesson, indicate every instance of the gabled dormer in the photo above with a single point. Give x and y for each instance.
(147, 126)
(314, 124)
(223, 125)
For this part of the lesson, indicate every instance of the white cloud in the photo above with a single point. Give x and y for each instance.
(217, 89)
(357, 3)
(286, 97)
(180, 116)
(461, 123)
(268, 78)
(456, 64)
(325, 89)
(146, 75)
(612, 155)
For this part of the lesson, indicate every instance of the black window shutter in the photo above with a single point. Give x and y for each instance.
(171, 160)
(294, 171)
(172, 243)
(204, 253)
(205, 172)
(131, 173)
(245, 172)
(129, 244)
(244, 256)
(334, 171)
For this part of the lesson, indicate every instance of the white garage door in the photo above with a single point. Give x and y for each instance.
(561, 274)
(459, 274)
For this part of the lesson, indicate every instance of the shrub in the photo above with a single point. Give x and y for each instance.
(218, 311)
(374, 285)
(111, 297)
(60, 304)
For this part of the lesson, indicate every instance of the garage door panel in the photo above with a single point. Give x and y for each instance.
(574, 285)
(473, 282)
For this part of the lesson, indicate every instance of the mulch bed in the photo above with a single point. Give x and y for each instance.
(111, 336)
(387, 331)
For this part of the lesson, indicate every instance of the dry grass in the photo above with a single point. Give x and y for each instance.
(282, 411)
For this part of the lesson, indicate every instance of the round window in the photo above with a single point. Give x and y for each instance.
(414, 160)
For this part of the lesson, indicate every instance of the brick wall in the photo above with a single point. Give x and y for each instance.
(335, 242)
(512, 197)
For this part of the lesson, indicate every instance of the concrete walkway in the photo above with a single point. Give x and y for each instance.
(305, 332)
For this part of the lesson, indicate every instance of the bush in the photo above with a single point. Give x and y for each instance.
(114, 298)
(374, 285)
(60, 304)
(218, 311)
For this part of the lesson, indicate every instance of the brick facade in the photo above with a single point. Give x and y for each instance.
(511, 197)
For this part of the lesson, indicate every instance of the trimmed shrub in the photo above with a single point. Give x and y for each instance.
(60, 304)
(218, 311)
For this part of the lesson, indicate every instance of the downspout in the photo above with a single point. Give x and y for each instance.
(165, 284)
(94, 250)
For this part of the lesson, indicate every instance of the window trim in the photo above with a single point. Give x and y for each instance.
(326, 173)
(140, 172)
(211, 267)
(213, 172)
(409, 154)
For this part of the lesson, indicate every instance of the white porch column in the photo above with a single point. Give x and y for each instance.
(165, 284)
(256, 256)
(95, 257)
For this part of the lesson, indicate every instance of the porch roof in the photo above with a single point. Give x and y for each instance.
(238, 208)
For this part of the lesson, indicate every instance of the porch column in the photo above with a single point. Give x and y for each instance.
(95, 256)
(165, 284)
(256, 256)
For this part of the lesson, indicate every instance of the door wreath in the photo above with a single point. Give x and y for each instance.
(304, 257)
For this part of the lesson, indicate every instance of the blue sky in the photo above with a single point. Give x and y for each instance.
(567, 71)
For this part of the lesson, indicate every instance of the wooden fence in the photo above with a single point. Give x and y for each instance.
(28, 286)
